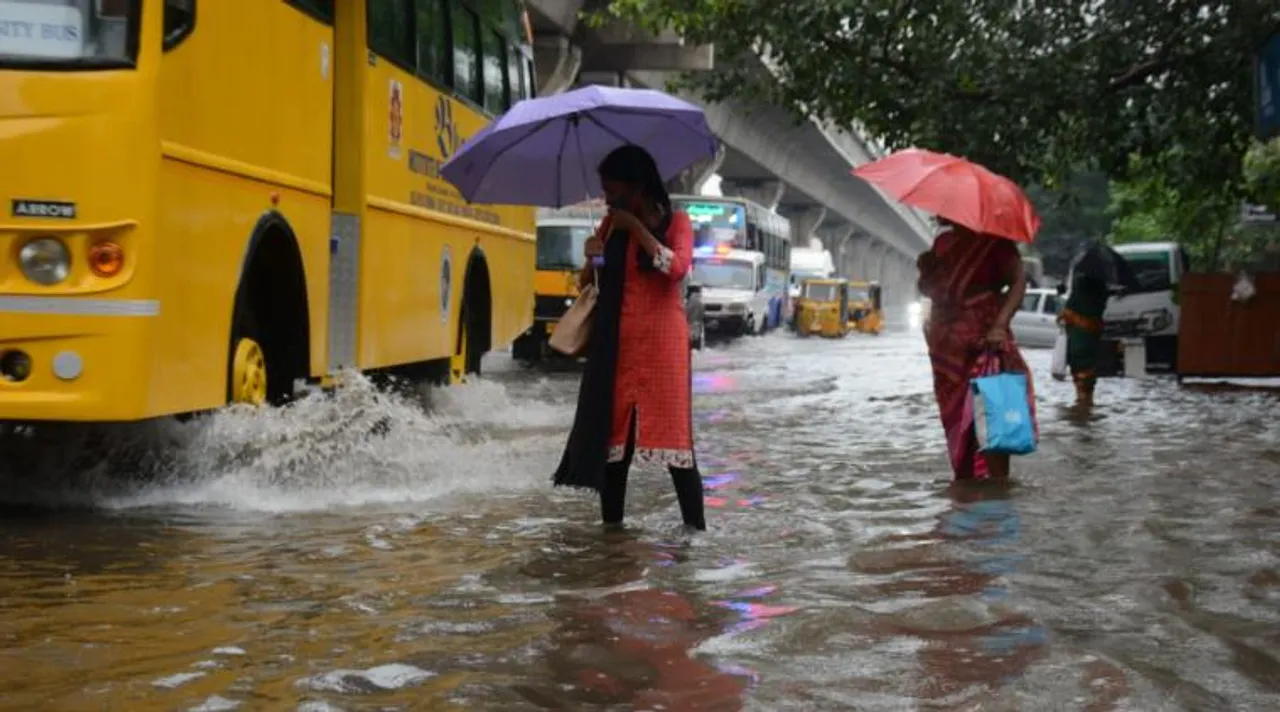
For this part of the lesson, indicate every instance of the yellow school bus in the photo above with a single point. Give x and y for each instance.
(209, 200)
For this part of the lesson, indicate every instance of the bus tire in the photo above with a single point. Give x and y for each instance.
(268, 347)
(247, 373)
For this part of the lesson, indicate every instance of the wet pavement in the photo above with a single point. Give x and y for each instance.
(290, 560)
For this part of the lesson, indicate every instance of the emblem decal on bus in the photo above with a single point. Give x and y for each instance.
(447, 137)
(395, 123)
(58, 209)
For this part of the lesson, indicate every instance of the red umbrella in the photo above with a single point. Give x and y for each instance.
(958, 190)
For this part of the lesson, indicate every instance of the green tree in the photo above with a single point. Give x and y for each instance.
(1072, 215)
(1150, 206)
(1262, 174)
(1030, 89)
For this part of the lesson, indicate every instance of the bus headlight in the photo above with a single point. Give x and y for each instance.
(45, 261)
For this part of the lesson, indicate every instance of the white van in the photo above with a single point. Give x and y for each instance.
(735, 300)
(1151, 311)
(809, 263)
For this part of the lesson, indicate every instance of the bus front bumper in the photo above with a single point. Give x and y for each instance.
(82, 368)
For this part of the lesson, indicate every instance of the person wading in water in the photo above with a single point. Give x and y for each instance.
(635, 400)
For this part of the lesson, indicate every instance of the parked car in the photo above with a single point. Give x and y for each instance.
(694, 311)
(1035, 325)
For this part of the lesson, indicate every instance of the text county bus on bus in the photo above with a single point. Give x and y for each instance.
(208, 200)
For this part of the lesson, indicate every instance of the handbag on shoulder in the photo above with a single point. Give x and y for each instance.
(573, 331)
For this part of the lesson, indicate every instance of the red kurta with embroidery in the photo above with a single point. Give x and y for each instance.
(653, 379)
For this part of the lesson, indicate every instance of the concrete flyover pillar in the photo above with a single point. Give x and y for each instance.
(691, 179)
(765, 192)
(837, 239)
(858, 256)
(804, 226)
(877, 257)
(558, 61)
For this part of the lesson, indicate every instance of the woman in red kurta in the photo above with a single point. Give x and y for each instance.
(636, 394)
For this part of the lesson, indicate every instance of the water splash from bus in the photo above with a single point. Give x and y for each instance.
(355, 446)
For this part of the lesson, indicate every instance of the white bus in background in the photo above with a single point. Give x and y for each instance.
(735, 295)
(741, 224)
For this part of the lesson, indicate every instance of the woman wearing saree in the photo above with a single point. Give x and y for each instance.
(963, 275)
(635, 400)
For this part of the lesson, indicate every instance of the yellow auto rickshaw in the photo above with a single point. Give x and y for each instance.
(866, 312)
(561, 235)
(823, 308)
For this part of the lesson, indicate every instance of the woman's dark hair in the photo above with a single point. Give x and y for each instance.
(633, 165)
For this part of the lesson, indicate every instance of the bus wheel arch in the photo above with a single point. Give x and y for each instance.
(270, 311)
(474, 335)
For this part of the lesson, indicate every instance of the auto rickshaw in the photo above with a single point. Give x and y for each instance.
(561, 236)
(866, 312)
(823, 308)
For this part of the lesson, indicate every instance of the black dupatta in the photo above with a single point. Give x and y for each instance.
(587, 452)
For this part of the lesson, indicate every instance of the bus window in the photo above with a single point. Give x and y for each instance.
(495, 87)
(322, 10)
(514, 63)
(466, 41)
(530, 85)
(430, 38)
(560, 247)
(179, 21)
(391, 30)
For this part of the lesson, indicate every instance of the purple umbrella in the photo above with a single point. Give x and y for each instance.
(545, 151)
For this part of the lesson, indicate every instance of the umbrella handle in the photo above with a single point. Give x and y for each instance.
(597, 261)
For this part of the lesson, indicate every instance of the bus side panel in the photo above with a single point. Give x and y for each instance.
(511, 275)
(246, 128)
(419, 232)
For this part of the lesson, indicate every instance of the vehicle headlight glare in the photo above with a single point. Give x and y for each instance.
(45, 261)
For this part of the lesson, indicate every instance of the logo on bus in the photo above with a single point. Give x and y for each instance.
(447, 137)
(395, 125)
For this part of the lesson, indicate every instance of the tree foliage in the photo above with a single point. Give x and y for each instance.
(1031, 89)
(1149, 207)
(1262, 175)
(1072, 215)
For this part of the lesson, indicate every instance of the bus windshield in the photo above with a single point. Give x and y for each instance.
(822, 292)
(1151, 268)
(718, 274)
(715, 222)
(560, 246)
(68, 33)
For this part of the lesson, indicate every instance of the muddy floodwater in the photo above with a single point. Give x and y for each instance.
(359, 552)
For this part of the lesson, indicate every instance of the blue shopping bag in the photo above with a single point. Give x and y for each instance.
(1001, 415)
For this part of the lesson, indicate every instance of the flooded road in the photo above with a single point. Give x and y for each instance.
(291, 560)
